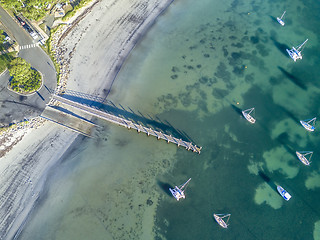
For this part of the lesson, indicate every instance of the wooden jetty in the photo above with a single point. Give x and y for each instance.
(127, 123)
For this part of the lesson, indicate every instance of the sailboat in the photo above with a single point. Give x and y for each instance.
(295, 53)
(304, 157)
(309, 124)
(286, 196)
(247, 115)
(280, 19)
(220, 221)
(178, 191)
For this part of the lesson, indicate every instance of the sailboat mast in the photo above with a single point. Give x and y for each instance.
(302, 44)
(313, 119)
(185, 184)
(228, 215)
(283, 14)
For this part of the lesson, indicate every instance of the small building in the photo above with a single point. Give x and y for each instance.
(59, 6)
(59, 13)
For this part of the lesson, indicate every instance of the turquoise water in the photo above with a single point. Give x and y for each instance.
(199, 65)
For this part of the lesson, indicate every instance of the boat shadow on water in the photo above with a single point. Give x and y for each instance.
(283, 139)
(281, 46)
(268, 181)
(165, 187)
(274, 19)
(292, 78)
(236, 109)
(291, 115)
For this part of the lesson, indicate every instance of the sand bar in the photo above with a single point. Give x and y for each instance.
(91, 55)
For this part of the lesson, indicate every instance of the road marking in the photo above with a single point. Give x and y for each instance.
(28, 46)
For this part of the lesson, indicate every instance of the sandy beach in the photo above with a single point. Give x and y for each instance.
(91, 55)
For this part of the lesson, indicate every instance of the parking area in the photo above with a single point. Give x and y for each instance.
(26, 25)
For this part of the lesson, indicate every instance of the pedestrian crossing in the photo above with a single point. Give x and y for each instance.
(28, 46)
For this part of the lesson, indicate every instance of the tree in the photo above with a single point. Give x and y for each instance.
(24, 78)
(32, 9)
(2, 37)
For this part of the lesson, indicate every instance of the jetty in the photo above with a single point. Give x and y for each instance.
(122, 122)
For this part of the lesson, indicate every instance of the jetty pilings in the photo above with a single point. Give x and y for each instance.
(128, 124)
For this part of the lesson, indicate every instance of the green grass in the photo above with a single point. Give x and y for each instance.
(72, 12)
(48, 49)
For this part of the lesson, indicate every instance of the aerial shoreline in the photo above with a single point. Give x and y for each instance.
(24, 168)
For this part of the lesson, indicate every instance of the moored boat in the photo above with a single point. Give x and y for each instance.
(295, 53)
(219, 219)
(286, 196)
(309, 124)
(304, 157)
(280, 19)
(248, 115)
(178, 191)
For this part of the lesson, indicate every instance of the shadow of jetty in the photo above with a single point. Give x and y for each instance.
(281, 47)
(292, 78)
(165, 187)
(70, 113)
(130, 115)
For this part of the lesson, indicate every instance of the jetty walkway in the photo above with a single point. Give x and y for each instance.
(126, 123)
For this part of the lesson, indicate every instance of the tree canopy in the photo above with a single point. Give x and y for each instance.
(2, 37)
(24, 78)
(31, 9)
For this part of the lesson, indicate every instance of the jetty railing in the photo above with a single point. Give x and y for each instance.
(128, 124)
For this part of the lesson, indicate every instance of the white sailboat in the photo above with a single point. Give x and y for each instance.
(280, 19)
(178, 191)
(247, 114)
(295, 53)
(219, 218)
(309, 124)
(304, 157)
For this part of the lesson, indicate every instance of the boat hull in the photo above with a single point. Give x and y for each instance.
(220, 221)
(294, 55)
(177, 193)
(302, 158)
(248, 117)
(307, 126)
(280, 21)
(286, 196)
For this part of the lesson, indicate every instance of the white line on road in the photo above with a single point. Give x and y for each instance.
(29, 46)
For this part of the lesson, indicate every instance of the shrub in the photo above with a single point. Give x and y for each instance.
(24, 79)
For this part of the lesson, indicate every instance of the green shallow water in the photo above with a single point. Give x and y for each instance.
(197, 68)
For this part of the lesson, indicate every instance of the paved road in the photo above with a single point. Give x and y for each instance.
(13, 106)
(20, 35)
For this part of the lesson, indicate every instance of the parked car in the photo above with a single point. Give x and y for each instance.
(21, 21)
